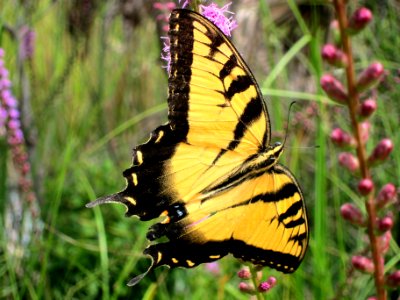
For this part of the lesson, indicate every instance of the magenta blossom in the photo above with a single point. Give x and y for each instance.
(11, 128)
(217, 16)
(185, 3)
(213, 13)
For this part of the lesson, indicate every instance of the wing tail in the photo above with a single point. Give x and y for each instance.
(114, 198)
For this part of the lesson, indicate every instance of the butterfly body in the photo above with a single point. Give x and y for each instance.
(211, 173)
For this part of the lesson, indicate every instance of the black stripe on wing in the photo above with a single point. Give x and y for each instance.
(189, 253)
(240, 84)
(228, 67)
(181, 50)
(287, 191)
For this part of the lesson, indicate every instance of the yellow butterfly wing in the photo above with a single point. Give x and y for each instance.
(210, 171)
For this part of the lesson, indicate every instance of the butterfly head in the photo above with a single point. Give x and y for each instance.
(274, 152)
(270, 156)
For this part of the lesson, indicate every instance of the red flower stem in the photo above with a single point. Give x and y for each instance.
(353, 104)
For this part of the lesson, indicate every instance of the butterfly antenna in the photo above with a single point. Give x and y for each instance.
(287, 122)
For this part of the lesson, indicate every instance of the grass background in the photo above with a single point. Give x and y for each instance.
(97, 89)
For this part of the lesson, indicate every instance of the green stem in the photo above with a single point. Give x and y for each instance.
(353, 104)
(256, 282)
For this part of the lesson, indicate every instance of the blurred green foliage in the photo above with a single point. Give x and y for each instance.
(96, 89)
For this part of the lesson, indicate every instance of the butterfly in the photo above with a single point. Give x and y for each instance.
(211, 173)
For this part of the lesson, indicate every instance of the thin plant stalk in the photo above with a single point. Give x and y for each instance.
(352, 103)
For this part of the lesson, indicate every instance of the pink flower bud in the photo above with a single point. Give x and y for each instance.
(360, 18)
(246, 288)
(244, 273)
(393, 280)
(349, 161)
(365, 186)
(31, 197)
(367, 108)
(370, 76)
(384, 242)
(26, 167)
(335, 31)
(328, 52)
(272, 281)
(334, 56)
(333, 88)
(213, 267)
(267, 285)
(352, 214)
(381, 151)
(385, 224)
(342, 138)
(386, 195)
(362, 263)
(372, 298)
(264, 287)
(364, 131)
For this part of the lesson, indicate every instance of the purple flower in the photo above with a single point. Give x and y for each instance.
(166, 54)
(10, 125)
(213, 267)
(3, 115)
(212, 13)
(186, 3)
(9, 99)
(5, 83)
(3, 71)
(27, 46)
(3, 118)
(216, 15)
(14, 124)
(14, 113)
